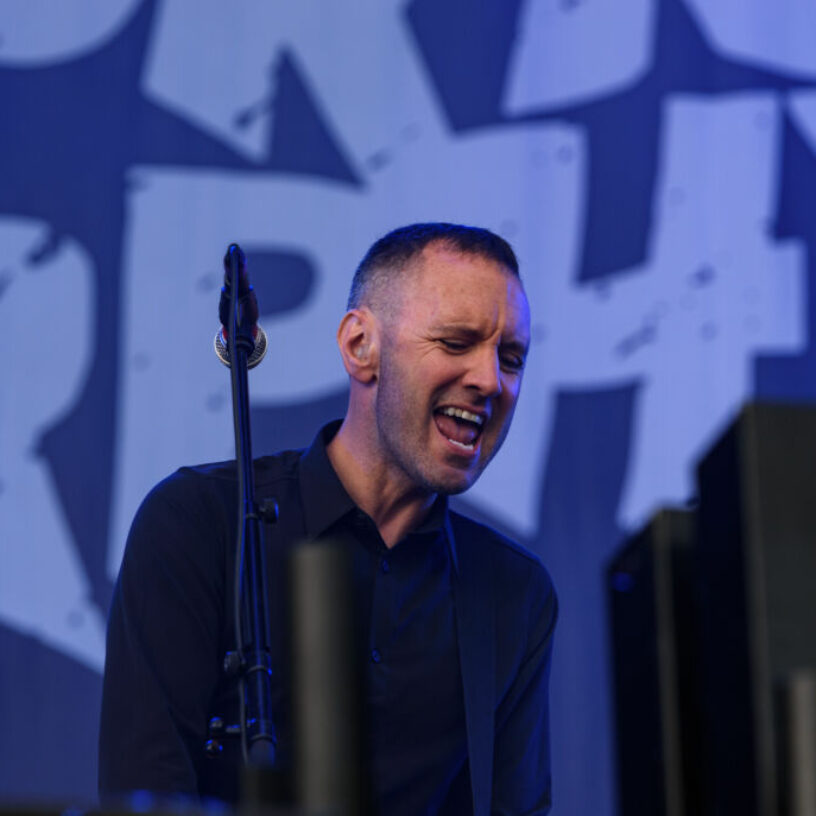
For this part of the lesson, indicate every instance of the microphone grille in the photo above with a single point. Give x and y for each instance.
(222, 350)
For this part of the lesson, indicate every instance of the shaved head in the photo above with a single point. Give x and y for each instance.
(376, 281)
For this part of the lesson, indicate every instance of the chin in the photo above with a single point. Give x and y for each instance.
(453, 484)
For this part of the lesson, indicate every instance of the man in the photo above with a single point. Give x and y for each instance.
(457, 621)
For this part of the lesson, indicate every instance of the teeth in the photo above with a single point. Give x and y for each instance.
(462, 414)
(461, 445)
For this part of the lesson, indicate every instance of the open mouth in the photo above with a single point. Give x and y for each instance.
(460, 427)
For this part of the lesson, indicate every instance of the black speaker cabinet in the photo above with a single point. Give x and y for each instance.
(757, 597)
(656, 704)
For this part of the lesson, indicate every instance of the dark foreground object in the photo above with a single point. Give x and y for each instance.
(714, 617)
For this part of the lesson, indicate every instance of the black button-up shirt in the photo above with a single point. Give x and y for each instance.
(171, 622)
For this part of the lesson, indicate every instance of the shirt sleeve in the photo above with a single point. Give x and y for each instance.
(164, 646)
(521, 771)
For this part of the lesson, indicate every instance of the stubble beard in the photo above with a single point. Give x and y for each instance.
(408, 452)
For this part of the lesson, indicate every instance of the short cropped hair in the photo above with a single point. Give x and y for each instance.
(394, 251)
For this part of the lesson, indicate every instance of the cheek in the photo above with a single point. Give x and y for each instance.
(440, 372)
(511, 386)
(506, 406)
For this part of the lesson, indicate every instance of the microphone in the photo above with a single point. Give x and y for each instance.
(247, 310)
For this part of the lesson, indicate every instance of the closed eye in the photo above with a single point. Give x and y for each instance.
(454, 345)
(512, 363)
(510, 360)
(513, 356)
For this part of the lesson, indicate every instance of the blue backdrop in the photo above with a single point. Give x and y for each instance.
(651, 160)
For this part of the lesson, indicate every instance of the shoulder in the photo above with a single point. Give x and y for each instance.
(505, 557)
(216, 475)
(196, 486)
(194, 508)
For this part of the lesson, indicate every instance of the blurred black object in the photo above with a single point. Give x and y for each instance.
(714, 626)
(330, 777)
(657, 702)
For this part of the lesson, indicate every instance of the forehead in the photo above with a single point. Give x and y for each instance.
(447, 285)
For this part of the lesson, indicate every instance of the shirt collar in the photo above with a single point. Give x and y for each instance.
(325, 500)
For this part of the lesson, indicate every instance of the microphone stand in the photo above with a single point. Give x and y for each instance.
(252, 658)
(330, 778)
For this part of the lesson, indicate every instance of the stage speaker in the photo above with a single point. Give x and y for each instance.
(757, 598)
(656, 701)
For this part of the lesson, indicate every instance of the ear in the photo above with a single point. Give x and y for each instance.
(357, 339)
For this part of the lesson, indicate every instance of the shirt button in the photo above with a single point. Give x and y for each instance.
(376, 657)
(386, 565)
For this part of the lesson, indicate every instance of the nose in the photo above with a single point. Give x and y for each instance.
(484, 372)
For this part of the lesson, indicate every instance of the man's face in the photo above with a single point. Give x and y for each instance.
(452, 355)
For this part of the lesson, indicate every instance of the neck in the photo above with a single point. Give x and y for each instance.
(395, 505)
